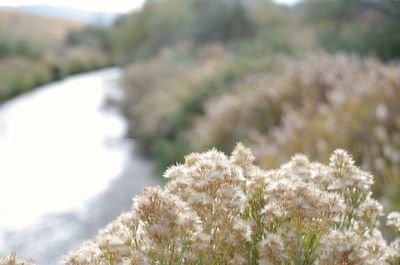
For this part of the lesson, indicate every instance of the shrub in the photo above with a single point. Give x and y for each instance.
(364, 27)
(220, 21)
(9, 47)
(313, 106)
(225, 210)
(19, 75)
(165, 94)
(162, 94)
(92, 37)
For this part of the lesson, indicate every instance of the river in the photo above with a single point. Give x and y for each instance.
(66, 169)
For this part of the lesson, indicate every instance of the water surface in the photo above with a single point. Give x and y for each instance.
(65, 168)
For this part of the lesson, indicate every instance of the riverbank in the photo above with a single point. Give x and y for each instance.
(36, 50)
(21, 75)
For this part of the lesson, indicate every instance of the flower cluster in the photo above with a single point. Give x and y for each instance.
(225, 210)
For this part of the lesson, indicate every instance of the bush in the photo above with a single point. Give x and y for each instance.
(162, 24)
(365, 27)
(19, 75)
(313, 106)
(162, 94)
(225, 210)
(145, 33)
(80, 59)
(92, 37)
(220, 21)
(165, 94)
(9, 47)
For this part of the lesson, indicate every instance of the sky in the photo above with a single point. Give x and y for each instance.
(118, 6)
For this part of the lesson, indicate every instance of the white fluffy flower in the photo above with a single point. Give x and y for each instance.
(393, 219)
(225, 210)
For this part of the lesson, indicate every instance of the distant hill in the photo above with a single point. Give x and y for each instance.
(41, 30)
(87, 17)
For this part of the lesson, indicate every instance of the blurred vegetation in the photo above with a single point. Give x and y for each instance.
(166, 23)
(36, 50)
(91, 36)
(308, 78)
(366, 27)
(306, 109)
(20, 47)
(185, 52)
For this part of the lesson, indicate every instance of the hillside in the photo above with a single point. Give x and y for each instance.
(38, 29)
(73, 14)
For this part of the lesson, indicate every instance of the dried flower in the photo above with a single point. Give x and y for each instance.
(393, 219)
(12, 259)
(225, 210)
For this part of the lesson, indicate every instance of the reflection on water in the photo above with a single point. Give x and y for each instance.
(59, 151)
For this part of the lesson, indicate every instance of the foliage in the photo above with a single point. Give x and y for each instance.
(220, 21)
(277, 105)
(310, 109)
(161, 24)
(145, 32)
(153, 87)
(91, 36)
(366, 27)
(19, 75)
(21, 47)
